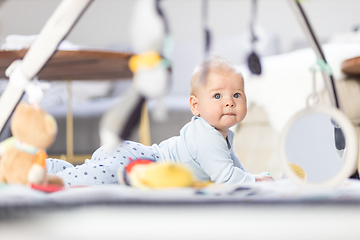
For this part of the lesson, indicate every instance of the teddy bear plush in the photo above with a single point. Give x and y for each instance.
(23, 156)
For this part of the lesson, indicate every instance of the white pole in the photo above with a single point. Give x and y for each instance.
(54, 31)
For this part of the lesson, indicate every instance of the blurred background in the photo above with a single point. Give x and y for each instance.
(105, 26)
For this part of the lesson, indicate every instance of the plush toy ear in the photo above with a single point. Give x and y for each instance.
(194, 105)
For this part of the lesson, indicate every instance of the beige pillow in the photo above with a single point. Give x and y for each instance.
(348, 91)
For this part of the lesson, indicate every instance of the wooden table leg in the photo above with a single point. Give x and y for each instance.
(144, 128)
(144, 131)
(69, 124)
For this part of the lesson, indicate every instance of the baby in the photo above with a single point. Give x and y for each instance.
(205, 144)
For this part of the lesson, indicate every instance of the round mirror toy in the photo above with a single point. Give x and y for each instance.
(319, 147)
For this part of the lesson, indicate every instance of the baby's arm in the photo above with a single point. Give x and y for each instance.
(216, 160)
(264, 176)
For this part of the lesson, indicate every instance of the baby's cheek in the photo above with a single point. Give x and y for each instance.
(241, 116)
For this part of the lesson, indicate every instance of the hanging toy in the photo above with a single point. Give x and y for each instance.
(150, 74)
(150, 41)
(146, 60)
(151, 44)
(207, 34)
(322, 66)
(253, 59)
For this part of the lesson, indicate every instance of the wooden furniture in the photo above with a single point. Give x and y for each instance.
(76, 65)
(351, 67)
(80, 65)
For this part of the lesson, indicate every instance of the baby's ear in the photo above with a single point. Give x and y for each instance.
(194, 105)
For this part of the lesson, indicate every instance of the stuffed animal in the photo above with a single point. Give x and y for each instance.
(23, 155)
(144, 173)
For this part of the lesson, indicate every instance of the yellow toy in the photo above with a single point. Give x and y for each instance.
(144, 173)
(146, 60)
(299, 171)
(23, 155)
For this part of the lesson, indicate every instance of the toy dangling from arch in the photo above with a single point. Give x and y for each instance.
(207, 40)
(253, 60)
(151, 44)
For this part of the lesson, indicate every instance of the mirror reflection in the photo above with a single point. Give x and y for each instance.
(314, 147)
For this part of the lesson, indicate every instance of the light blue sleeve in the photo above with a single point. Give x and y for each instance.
(217, 160)
(237, 161)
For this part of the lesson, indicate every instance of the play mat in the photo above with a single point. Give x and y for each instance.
(264, 210)
(280, 191)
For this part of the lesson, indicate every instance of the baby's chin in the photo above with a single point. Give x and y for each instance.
(227, 123)
(229, 119)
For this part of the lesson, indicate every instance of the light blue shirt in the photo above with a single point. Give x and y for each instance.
(203, 149)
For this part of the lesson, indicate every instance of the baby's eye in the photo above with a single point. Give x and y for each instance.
(217, 96)
(236, 95)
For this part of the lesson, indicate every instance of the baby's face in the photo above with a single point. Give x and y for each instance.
(221, 101)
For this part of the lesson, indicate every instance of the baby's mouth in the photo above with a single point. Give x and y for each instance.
(229, 114)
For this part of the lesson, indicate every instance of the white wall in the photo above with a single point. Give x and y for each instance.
(106, 21)
(106, 24)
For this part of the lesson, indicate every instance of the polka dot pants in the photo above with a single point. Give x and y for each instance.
(103, 166)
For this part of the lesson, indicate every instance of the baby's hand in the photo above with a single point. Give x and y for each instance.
(263, 177)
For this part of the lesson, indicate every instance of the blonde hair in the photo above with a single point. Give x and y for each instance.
(215, 64)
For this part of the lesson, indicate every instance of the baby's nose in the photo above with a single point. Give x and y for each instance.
(230, 104)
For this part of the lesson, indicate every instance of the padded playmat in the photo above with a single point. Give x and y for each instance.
(281, 191)
(265, 210)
